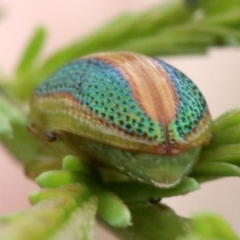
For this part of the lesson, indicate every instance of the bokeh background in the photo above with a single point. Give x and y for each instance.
(217, 74)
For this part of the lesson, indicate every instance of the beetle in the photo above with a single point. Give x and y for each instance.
(126, 111)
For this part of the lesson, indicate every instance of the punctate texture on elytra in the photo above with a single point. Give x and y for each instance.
(127, 111)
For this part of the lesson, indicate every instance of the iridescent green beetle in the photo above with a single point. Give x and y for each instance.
(125, 111)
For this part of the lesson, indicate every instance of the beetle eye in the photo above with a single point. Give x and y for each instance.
(154, 201)
(51, 136)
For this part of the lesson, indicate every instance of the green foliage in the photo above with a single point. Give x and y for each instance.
(32, 51)
(152, 32)
(65, 196)
(210, 227)
(61, 217)
(70, 199)
(13, 129)
(163, 222)
(73, 194)
(221, 157)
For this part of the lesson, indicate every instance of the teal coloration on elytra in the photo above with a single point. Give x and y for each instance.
(101, 88)
(192, 105)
